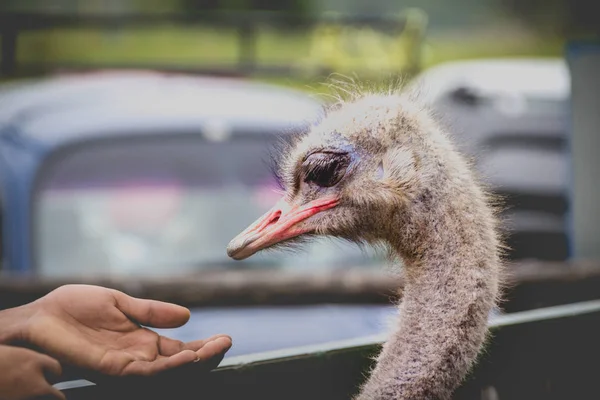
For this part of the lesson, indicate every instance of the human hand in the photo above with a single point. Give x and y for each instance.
(24, 374)
(98, 330)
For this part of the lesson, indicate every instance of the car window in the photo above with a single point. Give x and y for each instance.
(162, 206)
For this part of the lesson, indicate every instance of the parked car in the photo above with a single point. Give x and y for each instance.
(511, 117)
(140, 174)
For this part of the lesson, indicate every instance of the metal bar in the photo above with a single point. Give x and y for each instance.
(584, 63)
(532, 285)
(496, 322)
(9, 49)
(247, 46)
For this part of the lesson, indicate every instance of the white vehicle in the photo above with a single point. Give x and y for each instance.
(511, 116)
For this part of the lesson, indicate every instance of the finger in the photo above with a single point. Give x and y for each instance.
(54, 393)
(209, 364)
(213, 349)
(153, 313)
(41, 389)
(51, 368)
(198, 344)
(212, 353)
(168, 346)
(160, 364)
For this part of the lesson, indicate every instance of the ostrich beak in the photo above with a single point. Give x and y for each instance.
(278, 224)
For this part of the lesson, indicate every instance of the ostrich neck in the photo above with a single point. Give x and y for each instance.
(451, 285)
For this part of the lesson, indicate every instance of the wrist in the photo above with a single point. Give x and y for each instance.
(15, 322)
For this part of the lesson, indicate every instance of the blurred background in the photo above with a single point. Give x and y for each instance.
(284, 41)
(135, 142)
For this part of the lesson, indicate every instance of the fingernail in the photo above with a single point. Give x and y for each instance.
(229, 341)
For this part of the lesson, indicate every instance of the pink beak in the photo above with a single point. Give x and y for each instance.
(278, 224)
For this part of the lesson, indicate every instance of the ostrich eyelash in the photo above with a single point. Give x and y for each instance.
(319, 165)
(325, 168)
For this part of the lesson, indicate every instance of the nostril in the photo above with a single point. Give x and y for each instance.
(275, 217)
(268, 221)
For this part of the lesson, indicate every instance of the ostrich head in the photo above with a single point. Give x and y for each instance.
(352, 176)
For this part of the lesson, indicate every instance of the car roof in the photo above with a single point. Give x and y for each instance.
(64, 108)
(547, 78)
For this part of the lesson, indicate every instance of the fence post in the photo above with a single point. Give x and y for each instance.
(247, 46)
(9, 50)
(584, 61)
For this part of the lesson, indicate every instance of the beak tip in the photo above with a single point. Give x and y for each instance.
(234, 250)
(231, 250)
(236, 256)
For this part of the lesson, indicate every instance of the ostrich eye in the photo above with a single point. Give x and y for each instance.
(325, 169)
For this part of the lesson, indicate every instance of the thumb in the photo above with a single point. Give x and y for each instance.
(153, 313)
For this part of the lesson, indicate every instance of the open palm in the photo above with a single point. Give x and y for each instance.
(102, 330)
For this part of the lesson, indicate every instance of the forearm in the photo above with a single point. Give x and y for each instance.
(14, 322)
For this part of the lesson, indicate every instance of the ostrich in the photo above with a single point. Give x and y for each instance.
(377, 169)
